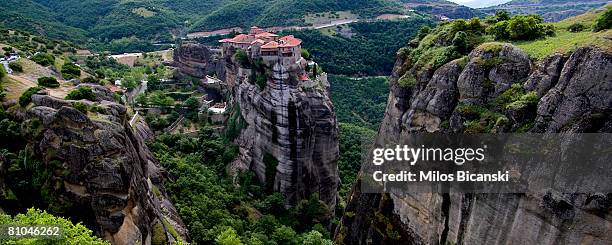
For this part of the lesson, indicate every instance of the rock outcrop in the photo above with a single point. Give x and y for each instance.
(103, 172)
(197, 61)
(291, 135)
(574, 95)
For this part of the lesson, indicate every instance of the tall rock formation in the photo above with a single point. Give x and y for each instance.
(291, 135)
(573, 94)
(102, 172)
(197, 60)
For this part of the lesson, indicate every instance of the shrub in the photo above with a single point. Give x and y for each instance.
(44, 59)
(475, 25)
(576, 27)
(498, 30)
(70, 71)
(423, 32)
(49, 82)
(305, 54)
(16, 66)
(261, 81)
(159, 235)
(82, 107)
(26, 97)
(521, 27)
(242, 58)
(528, 99)
(91, 80)
(604, 21)
(81, 93)
(501, 15)
(474, 127)
(407, 80)
(460, 42)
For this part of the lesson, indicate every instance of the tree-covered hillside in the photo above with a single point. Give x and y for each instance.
(550, 10)
(114, 19)
(286, 12)
(362, 48)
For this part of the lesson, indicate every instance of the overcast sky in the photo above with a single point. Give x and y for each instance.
(479, 3)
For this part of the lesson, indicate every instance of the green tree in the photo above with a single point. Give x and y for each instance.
(285, 235)
(132, 78)
(460, 42)
(604, 21)
(70, 70)
(312, 211)
(153, 82)
(160, 99)
(91, 79)
(49, 82)
(501, 15)
(44, 59)
(228, 237)
(315, 238)
(305, 54)
(242, 58)
(72, 233)
(192, 103)
(423, 32)
(499, 30)
(142, 99)
(26, 97)
(16, 66)
(81, 93)
(522, 27)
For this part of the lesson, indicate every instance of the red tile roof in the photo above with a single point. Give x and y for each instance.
(240, 38)
(272, 44)
(258, 41)
(266, 34)
(303, 77)
(290, 41)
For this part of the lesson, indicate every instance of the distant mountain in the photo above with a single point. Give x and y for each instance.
(551, 10)
(480, 3)
(441, 7)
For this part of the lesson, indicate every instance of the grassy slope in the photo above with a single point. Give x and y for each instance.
(566, 41)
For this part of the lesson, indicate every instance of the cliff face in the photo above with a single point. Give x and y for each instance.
(573, 94)
(197, 61)
(103, 171)
(291, 135)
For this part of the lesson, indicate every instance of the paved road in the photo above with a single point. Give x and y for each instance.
(335, 23)
(275, 28)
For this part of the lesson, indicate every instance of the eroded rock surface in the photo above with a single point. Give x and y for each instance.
(103, 171)
(196, 60)
(574, 95)
(291, 127)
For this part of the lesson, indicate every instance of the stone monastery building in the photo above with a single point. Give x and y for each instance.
(268, 46)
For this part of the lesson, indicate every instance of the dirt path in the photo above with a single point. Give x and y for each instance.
(16, 85)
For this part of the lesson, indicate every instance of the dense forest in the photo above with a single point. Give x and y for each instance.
(360, 102)
(360, 106)
(217, 210)
(101, 21)
(370, 50)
